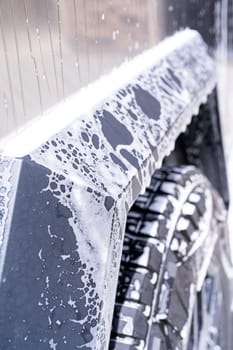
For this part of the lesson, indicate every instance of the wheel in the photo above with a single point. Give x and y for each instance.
(170, 294)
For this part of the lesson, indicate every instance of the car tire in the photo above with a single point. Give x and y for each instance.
(170, 293)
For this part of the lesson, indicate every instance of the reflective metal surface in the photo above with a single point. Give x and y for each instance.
(67, 199)
(51, 48)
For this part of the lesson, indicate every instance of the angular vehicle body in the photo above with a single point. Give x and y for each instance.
(68, 182)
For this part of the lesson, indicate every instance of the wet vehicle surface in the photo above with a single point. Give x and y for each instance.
(70, 177)
(51, 49)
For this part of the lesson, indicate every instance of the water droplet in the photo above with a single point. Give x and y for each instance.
(136, 45)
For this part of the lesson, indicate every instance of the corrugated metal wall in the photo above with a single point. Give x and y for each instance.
(49, 49)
